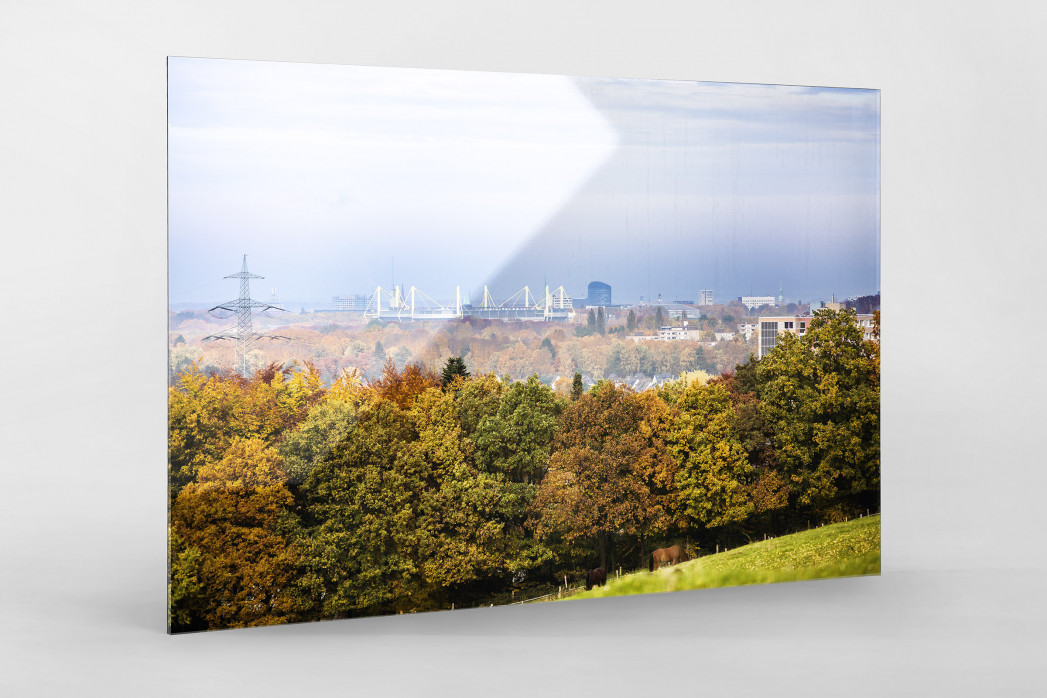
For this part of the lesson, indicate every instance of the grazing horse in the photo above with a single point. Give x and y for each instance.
(672, 555)
(595, 577)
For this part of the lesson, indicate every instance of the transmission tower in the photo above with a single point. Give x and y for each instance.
(244, 308)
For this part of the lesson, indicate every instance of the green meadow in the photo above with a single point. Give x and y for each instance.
(845, 549)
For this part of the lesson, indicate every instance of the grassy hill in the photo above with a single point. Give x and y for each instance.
(838, 550)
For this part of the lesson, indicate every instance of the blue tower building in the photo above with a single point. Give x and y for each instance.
(599, 294)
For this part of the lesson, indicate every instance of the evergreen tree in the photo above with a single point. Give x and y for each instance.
(577, 388)
(600, 322)
(592, 321)
(630, 322)
(454, 367)
(659, 317)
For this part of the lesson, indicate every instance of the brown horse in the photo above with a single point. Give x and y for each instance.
(672, 555)
(595, 577)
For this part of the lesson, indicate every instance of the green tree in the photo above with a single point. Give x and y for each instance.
(821, 394)
(600, 322)
(713, 470)
(359, 526)
(397, 518)
(659, 317)
(479, 397)
(454, 368)
(591, 322)
(460, 534)
(512, 446)
(630, 321)
(515, 441)
(315, 438)
(577, 387)
(185, 595)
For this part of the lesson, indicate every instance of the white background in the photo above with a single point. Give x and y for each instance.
(959, 607)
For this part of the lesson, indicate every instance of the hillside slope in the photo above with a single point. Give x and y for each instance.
(838, 550)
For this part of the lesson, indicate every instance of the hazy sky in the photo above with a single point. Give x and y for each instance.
(335, 179)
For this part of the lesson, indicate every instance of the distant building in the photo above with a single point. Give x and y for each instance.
(678, 332)
(747, 328)
(754, 302)
(724, 336)
(705, 297)
(599, 294)
(355, 303)
(865, 321)
(771, 327)
(677, 310)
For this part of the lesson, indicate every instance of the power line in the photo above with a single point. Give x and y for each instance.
(244, 307)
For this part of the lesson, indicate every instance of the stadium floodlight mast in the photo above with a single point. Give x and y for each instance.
(244, 307)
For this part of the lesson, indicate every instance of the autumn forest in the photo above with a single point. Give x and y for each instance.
(294, 497)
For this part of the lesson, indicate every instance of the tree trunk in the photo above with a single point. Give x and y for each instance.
(643, 558)
(602, 538)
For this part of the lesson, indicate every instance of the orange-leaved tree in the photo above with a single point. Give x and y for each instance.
(602, 469)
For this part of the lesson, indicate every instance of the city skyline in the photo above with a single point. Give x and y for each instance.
(445, 295)
(324, 175)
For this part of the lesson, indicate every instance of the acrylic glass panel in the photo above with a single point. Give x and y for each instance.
(448, 339)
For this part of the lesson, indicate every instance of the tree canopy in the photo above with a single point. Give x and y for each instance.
(295, 499)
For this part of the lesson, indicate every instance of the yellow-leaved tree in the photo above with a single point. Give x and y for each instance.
(227, 523)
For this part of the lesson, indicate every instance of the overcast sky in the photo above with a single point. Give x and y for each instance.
(335, 179)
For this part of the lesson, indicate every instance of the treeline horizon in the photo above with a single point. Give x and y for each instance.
(291, 500)
(518, 349)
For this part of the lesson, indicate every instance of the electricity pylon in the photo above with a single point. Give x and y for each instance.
(244, 308)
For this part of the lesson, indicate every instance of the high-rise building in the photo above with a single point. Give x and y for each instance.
(705, 297)
(599, 294)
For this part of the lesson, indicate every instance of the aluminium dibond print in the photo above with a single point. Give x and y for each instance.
(447, 340)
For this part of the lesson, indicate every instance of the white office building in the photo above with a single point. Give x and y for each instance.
(678, 332)
(753, 302)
